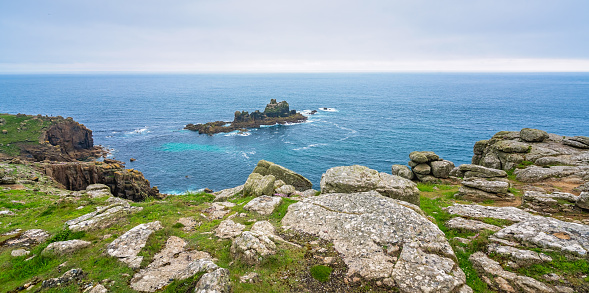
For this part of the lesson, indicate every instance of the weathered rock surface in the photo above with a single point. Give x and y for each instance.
(550, 233)
(503, 280)
(103, 217)
(189, 223)
(123, 183)
(549, 202)
(65, 247)
(19, 252)
(173, 262)
(423, 157)
(477, 211)
(349, 179)
(263, 205)
(227, 193)
(536, 174)
(217, 211)
(307, 193)
(441, 169)
(98, 190)
(521, 257)
(217, 281)
(289, 177)
(470, 225)
(402, 171)
(250, 247)
(428, 167)
(98, 289)
(583, 201)
(491, 186)
(286, 189)
(470, 170)
(128, 245)
(229, 229)
(258, 185)
(481, 189)
(361, 224)
(533, 135)
(28, 238)
(67, 277)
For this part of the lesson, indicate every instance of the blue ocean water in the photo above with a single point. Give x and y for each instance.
(375, 120)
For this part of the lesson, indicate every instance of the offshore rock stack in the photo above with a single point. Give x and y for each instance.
(425, 167)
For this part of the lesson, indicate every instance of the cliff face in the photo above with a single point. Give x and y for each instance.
(123, 183)
(70, 135)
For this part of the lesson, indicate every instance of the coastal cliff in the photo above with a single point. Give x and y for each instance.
(274, 113)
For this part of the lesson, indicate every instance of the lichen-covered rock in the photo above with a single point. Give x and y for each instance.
(349, 179)
(173, 262)
(229, 229)
(423, 157)
(217, 281)
(581, 142)
(521, 257)
(28, 238)
(65, 247)
(535, 173)
(19, 252)
(228, 193)
(583, 200)
(477, 195)
(361, 224)
(289, 177)
(549, 202)
(258, 185)
(217, 211)
(286, 189)
(263, 205)
(98, 190)
(67, 277)
(477, 211)
(470, 170)
(492, 186)
(422, 169)
(99, 288)
(103, 217)
(128, 245)
(533, 135)
(402, 171)
(441, 169)
(189, 223)
(250, 247)
(459, 223)
(546, 232)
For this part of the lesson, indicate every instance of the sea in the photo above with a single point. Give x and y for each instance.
(370, 119)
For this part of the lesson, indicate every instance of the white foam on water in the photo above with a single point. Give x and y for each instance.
(328, 109)
(309, 146)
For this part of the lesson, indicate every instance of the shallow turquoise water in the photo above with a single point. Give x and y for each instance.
(376, 120)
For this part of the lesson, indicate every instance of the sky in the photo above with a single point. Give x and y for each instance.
(293, 36)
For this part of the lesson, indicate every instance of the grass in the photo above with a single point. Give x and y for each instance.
(321, 273)
(21, 129)
(524, 164)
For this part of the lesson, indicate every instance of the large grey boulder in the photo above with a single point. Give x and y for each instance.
(422, 169)
(441, 169)
(98, 190)
(28, 238)
(104, 216)
(250, 247)
(402, 171)
(258, 185)
(492, 186)
(536, 174)
(289, 177)
(583, 200)
(549, 202)
(379, 238)
(173, 262)
(423, 157)
(350, 179)
(477, 211)
(217, 281)
(533, 135)
(65, 247)
(229, 229)
(470, 170)
(128, 245)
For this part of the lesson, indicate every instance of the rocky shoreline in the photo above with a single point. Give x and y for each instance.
(515, 220)
(274, 113)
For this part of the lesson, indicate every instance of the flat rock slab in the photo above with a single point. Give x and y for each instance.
(536, 174)
(521, 257)
(103, 217)
(478, 211)
(19, 252)
(492, 186)
(362, 224)
(470, 225)
(65, 247)
(28, 238)
(128, 245)
(545, 232)
(229, 229)
(263, 205)
(217, 211)
(173, 262)
(98, 190)
(227, 193)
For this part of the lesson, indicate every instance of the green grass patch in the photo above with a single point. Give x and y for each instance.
(281, 210)
(524, 164)
(428, 187)
(321, 273)
(20, 129)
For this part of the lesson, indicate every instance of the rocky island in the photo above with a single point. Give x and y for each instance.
(274, 113)
(515, 220)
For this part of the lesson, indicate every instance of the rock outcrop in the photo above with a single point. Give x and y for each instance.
(123, 183)
(289, 177)
(560, 156)
(380, 239)
(263, 205)
(251, 247)
(548, 203)
(128, 245)
(426, 166)
(352, 179)
(483, 189)
(65, 247)
(275, 113)
(27, 238)
(228, 193)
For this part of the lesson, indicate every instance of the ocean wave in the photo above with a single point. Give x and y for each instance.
(143, 130)
(237, 133)
(309, 146)
(247, 154)
(307, 112)
(328, 109)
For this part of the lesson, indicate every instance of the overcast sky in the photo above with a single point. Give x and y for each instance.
(295, 35)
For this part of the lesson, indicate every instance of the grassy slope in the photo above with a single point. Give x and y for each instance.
(30, 130)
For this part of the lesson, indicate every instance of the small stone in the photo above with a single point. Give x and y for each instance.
(19, 252)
